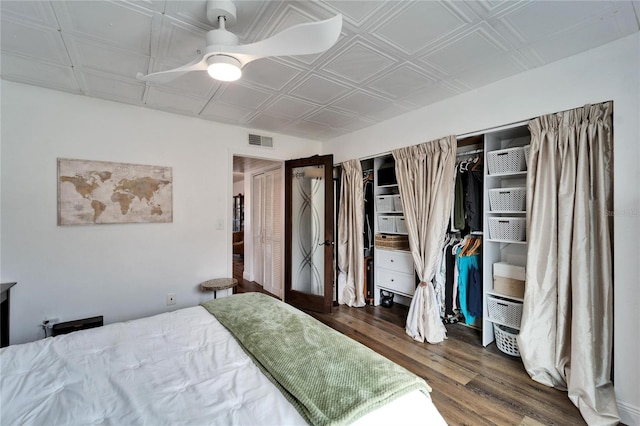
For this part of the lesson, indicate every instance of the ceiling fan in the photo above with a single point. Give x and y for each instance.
(224, 58)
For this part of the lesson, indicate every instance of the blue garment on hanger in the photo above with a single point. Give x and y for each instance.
(465, 263)
(475, 292)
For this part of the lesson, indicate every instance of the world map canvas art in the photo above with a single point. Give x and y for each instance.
(98, 192)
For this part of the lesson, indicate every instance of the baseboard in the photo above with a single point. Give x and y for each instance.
(629, 415)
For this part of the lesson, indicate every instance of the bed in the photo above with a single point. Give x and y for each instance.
(281, 367)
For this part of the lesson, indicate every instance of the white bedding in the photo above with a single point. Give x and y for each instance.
(181, 367)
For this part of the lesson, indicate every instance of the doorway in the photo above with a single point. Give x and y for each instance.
(259, 181)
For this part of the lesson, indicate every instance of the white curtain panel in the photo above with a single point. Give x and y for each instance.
(425, 176)
(567, 321)
(350, 236)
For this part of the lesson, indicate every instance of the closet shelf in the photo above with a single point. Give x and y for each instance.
(511, 174)
(507, 211)
(504, 296)
(491, 240)
(394, 185)
(389, 212)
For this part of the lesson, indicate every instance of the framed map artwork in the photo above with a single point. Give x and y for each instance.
(97, 192)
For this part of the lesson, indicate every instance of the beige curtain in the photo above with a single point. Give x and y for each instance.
(350, 236)
(425, 177)
(566, 331)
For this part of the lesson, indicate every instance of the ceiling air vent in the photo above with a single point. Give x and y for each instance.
(257, 140)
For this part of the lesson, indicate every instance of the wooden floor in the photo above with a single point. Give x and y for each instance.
(471, 385)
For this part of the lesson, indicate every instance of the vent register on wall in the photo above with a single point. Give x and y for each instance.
(258, 140)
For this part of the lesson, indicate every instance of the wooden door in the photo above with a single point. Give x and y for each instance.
(309, 233)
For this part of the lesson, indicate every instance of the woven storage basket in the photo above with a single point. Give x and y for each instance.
(399, 242)
(507, 228)
(506, 339)
(387, 223)
(509, 160)
(504, 311)
(508, 199)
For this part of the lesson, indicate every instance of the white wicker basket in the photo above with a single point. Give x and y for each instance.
(504, 311)
(386, 223)
(401, 225)
(506, 339)
(384, 203)
(507, 199)
(507, 228)
(508, 160)
(397, 203)
(526, 155)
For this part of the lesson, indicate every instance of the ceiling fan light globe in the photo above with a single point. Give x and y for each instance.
(224, 68)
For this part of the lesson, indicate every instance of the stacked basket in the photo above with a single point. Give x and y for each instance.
(506, 339)
(505, 315)
(510, 160)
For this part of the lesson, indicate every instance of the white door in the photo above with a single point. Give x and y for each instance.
(268, 223)
(258, 228)
(273, 227)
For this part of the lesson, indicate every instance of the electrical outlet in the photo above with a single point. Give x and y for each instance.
(48, 322)
(171, 299)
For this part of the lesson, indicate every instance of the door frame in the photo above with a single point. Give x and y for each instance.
(293, 297)
(248, 179)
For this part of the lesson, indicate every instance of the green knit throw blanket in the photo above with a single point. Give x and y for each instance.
(329, 378)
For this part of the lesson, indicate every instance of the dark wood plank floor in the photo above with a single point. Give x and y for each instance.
(471, 385)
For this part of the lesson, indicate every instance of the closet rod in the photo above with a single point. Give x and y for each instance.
(475, 151)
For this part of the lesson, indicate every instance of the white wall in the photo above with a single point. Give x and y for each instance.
(238, 187)
(119, 271)
(611, 72)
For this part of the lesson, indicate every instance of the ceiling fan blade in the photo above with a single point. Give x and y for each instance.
(302, 39)
(199, 64)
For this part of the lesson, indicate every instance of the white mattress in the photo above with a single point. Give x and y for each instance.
(181, 367)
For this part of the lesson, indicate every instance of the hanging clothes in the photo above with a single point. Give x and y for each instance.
(466, 215)
(439, 285)
(458, 203)
(474, 195)
(469, 282)
(475, 292)
(449, 293)
(451, 314)
(367, 182)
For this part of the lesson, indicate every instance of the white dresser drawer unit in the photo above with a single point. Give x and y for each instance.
(395, 260)
(394, 272)
(397, 282)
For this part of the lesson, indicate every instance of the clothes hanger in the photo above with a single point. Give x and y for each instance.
(476, 245)
(465, 249)
(462, 242)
